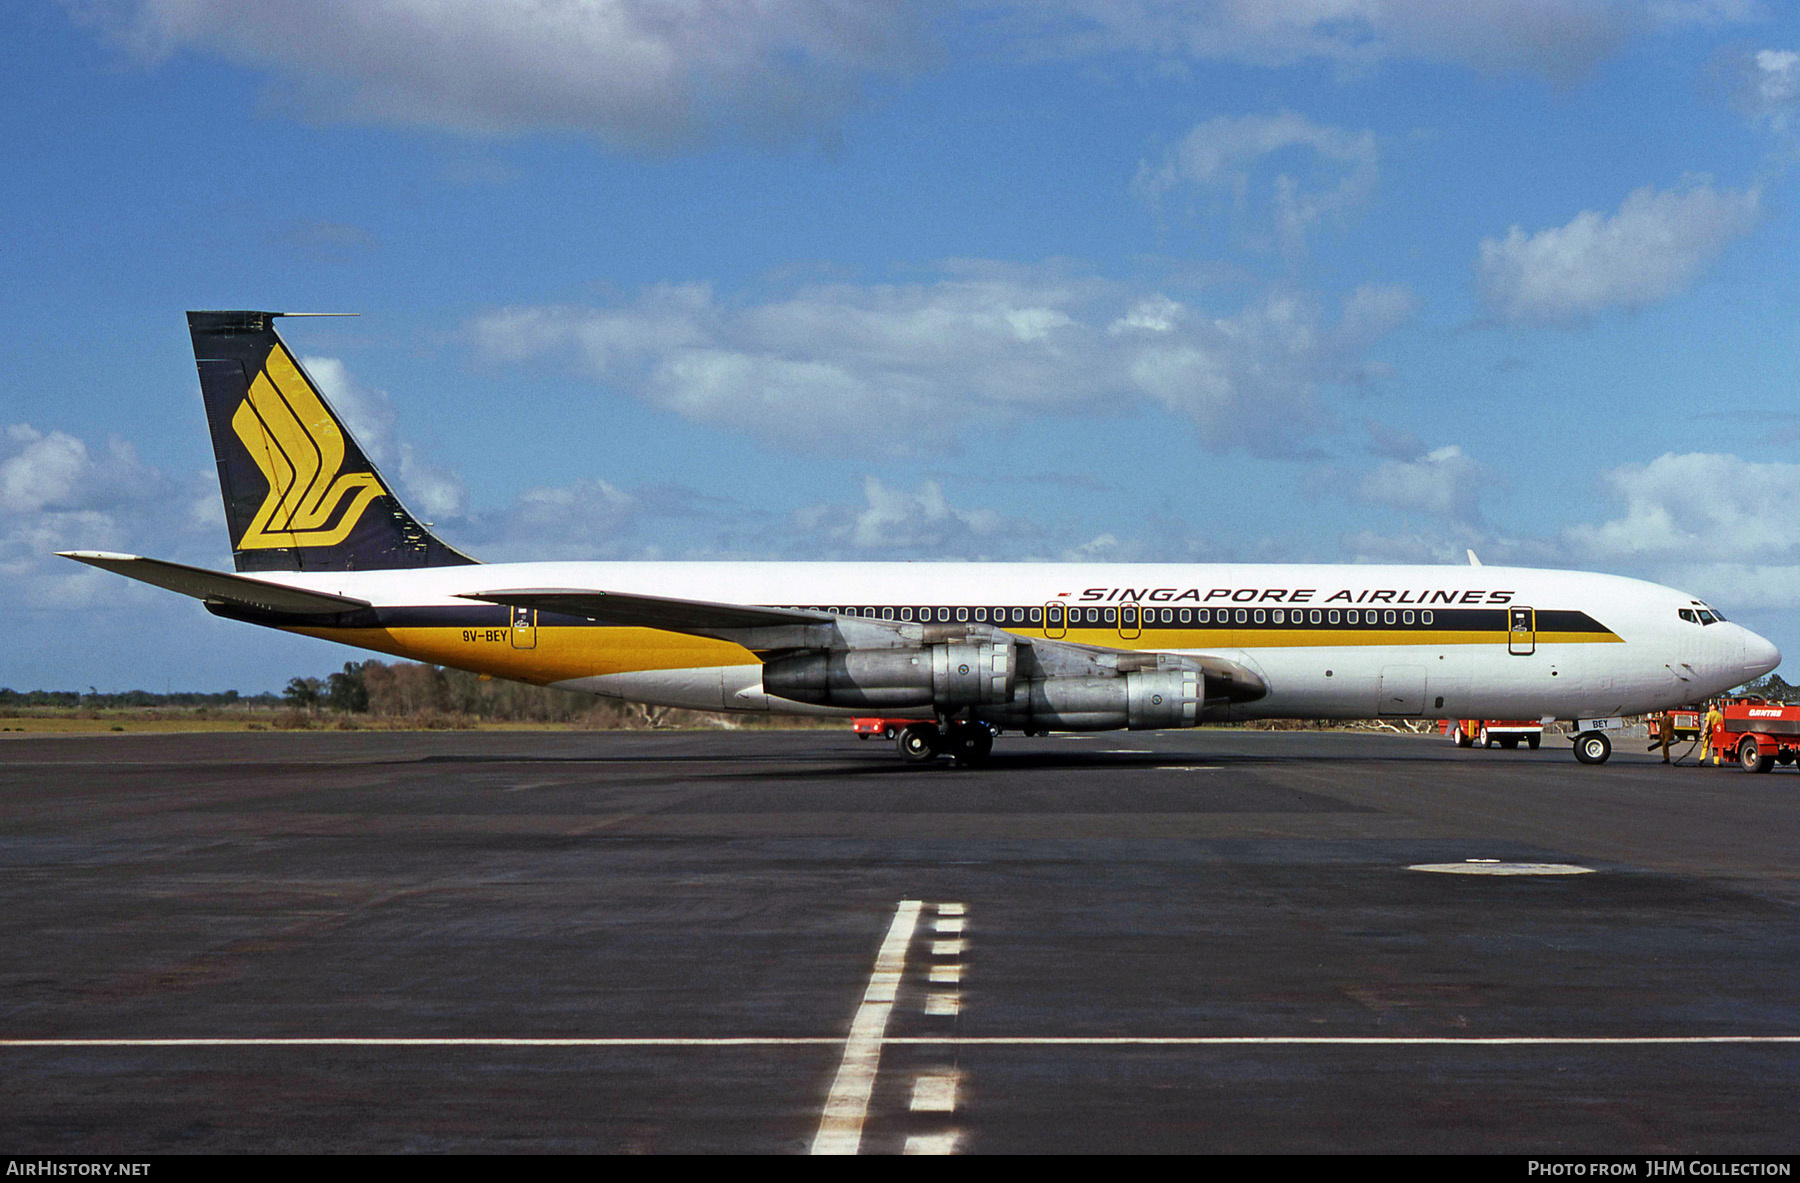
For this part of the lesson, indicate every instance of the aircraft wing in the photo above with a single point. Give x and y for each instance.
(701, 617)
(216, 586)
(773, 632)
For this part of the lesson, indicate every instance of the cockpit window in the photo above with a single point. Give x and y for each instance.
(1687, 614)
(1706, 617)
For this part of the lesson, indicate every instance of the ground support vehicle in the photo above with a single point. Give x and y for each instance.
(1758, 734)
(1686, 729)
(1486, 733)
(886, 728)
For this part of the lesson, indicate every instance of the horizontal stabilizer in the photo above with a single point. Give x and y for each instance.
(680, 616)
(216, 586)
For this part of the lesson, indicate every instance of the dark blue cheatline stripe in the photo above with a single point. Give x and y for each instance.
(1205, 620)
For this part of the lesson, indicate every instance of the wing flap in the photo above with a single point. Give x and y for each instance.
(216, 586)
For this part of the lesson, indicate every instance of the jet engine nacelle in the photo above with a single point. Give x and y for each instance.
(1140, 701)
(945, 677)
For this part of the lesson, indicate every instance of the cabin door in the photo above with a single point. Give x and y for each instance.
(1521, 631)
(524, 628)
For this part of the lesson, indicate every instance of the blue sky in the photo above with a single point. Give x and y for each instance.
(1320, 280)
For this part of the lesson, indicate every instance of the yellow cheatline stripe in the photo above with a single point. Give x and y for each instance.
(559, 653)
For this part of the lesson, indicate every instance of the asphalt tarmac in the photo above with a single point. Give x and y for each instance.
(781, 942)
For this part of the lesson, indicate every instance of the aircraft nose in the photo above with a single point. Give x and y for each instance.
(1759, 656)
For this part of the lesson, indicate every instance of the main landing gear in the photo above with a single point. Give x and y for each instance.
(963, 741)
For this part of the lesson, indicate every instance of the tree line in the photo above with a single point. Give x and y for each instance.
(93, 699)
(409, 690)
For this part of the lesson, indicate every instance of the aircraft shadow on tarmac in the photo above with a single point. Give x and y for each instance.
(804, 763)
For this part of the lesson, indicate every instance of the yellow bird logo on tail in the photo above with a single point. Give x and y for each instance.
(298, 446)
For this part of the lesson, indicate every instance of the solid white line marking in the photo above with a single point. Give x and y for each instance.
(934, 1094)
(951, 925)
(1338, 1040)
(931, 1143)
(946, 973)
(943, 1003)
(946, 948)
(446, 1041)
(840, 1125)
(951, 909)
(1189, 767)
(1486, 867)
(929, 1041)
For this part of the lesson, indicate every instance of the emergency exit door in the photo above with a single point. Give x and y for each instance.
(524, 628)
(1521, 631)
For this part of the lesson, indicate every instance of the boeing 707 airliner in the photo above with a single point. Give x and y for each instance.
(324, 548)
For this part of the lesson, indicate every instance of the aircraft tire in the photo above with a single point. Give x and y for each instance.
(1532, 741)
(919, 743)
(1592, 747)
(1509, 742)
(969, 743)
(1462, 737)
(1483, 740)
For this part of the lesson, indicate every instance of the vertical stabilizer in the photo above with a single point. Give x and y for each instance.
(300, 495)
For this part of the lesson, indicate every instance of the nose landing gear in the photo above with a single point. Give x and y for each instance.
(1592, 747)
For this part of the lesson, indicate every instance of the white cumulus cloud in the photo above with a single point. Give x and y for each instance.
(1294, 172)
(904, 523)
(57, 492)
(1445, 482)
(1557, 39)
(427, 488)
(1699, 506)
(904, 368)
(1655, 246)
(629, 72)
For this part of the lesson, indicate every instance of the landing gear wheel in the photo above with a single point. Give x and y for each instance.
(1592, 747)
(919, 743)
(1482, 740)
(1509, 742)
(1462, 737)
(1532, 741)
(1751, 757)
(969, 743)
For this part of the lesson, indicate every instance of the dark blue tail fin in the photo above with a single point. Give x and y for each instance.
(300, 495)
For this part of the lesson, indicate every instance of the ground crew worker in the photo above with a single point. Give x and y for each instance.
(1715, 719)
(1665, 733)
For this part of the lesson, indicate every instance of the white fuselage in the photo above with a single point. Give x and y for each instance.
(1329, 641)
